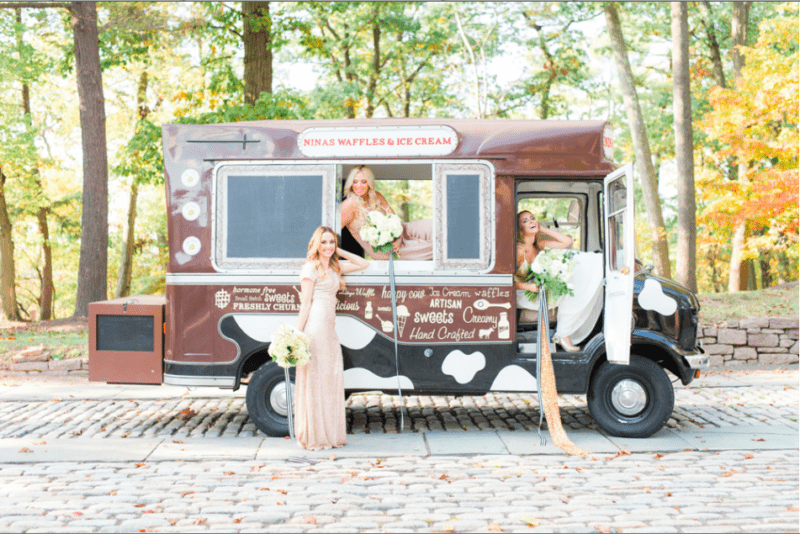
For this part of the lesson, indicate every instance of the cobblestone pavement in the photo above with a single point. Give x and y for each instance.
(689, 490)
(371, 413)
(731, 491)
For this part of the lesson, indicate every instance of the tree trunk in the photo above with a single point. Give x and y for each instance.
(257, 39)
(376, 64)
(738, 274)
(8, 289)
(766, 272)
(685, 262)
(46, 298)
(738, 267)
(713, 44)
(93, 264)
(127, 251)
(641, 145)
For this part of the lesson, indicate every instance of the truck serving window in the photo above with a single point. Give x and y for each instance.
(265, 214)
(463, 221)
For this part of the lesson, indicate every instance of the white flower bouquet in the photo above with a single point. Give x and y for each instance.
(289, 347)
(553, 268)
(381, 229)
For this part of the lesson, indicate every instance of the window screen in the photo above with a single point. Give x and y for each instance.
(266, 214)
(274, 216)
(463, 217)
(127, 333)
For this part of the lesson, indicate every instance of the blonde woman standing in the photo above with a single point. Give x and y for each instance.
(319, 386)
(416, 242)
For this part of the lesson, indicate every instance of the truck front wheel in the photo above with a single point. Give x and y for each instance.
(266, 399)
(631, 401)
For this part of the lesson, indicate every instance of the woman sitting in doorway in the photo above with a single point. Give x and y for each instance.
(577, 314)
(416, 242)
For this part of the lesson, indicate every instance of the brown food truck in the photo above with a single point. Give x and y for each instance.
(244, 198)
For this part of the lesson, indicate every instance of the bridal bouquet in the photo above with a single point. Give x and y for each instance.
(380, 230)
(553, 268)
(289, 347)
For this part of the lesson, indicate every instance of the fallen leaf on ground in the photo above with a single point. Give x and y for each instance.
(332, 457)
(530, 521)
(603, 529)
(25, 449)
(748, 456)
(494, 527)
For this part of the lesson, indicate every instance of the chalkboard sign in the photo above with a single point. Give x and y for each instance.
(129, 333)
(463, 216)
(272, 216)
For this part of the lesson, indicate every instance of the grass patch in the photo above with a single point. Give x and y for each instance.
(61, 344)
(781, 301)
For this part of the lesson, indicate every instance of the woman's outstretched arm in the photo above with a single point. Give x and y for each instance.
(555, 238)
(306, 295)
(353, 263)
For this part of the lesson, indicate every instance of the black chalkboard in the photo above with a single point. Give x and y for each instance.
(272, 216)
(463, 216)
(130, 333)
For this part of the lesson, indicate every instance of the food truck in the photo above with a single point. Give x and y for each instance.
(244, 198)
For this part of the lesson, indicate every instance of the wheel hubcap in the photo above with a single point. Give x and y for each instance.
(277, 398)
(628, 397)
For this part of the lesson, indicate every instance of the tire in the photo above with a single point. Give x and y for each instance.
(266, 399)
(640, 405)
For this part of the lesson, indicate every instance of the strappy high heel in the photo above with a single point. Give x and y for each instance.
(566, 345)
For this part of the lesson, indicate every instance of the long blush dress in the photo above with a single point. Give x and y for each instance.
(319, 386)
(577, 314)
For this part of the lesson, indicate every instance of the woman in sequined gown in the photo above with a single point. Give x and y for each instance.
(319, 385)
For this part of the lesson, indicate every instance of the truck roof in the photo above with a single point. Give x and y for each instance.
(516, 147)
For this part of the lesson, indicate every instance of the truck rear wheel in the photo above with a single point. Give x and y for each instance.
(266, 399)
(631, 401)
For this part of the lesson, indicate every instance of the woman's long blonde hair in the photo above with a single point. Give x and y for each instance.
(313, 254)
(371, 195)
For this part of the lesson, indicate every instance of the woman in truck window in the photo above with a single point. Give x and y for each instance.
(577, 314)
(416, 242)
(320, 421)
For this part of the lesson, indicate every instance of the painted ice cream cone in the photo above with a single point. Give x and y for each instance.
(402, 316)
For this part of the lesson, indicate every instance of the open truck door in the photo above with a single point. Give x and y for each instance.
(620, 268)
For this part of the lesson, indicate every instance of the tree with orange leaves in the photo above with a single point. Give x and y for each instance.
(755, 125)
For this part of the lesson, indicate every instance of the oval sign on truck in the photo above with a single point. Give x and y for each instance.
(377, 141)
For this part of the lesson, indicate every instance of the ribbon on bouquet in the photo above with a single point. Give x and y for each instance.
(289, 408)
(544, 327)
(545, 376)
(394, 329)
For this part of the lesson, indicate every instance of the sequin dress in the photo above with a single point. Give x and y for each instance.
(319, 386)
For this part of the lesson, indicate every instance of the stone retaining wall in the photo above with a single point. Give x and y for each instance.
(37, 359)
(767, 341)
